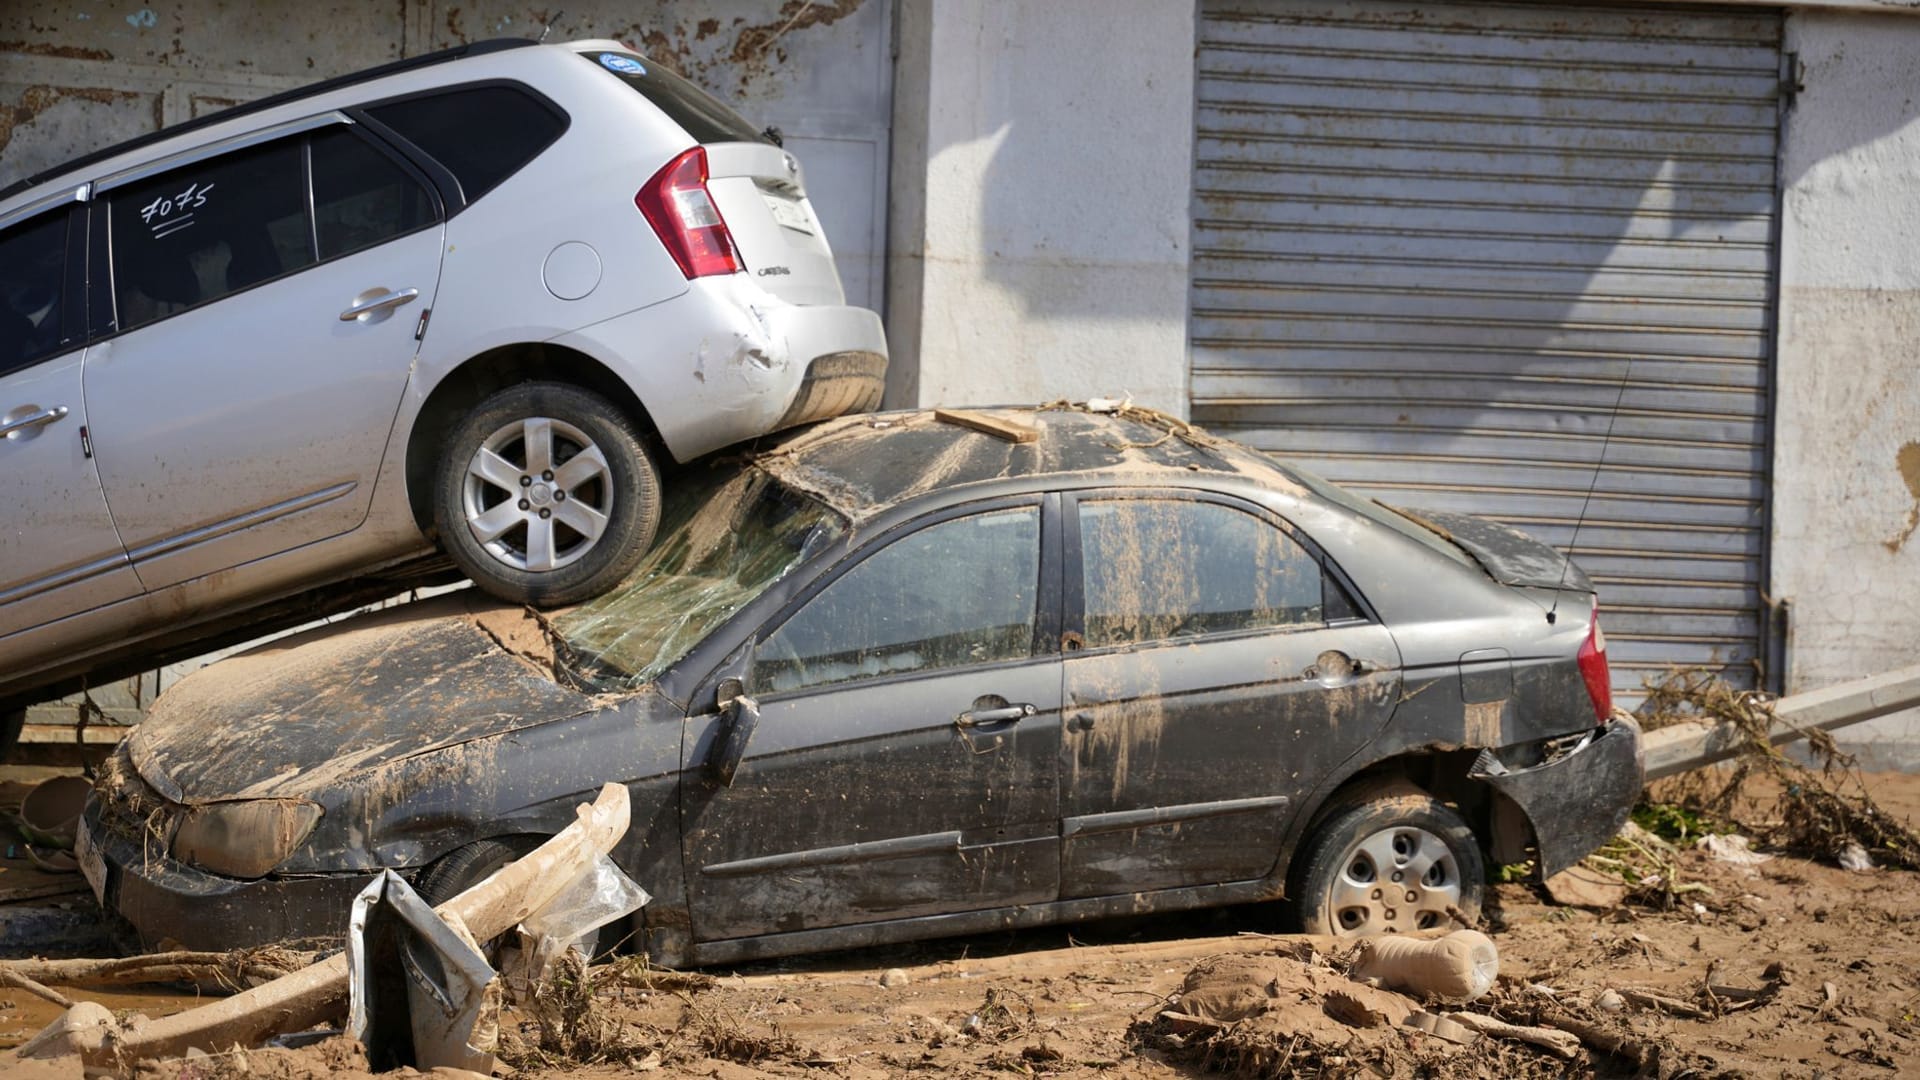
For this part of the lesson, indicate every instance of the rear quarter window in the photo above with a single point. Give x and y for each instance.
(481, 134)
(702, 115)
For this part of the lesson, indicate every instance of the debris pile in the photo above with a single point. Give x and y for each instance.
(1384, 1008)
(1822, 810)
(319, 993)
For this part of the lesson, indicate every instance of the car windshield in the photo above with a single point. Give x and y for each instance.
(727, 534)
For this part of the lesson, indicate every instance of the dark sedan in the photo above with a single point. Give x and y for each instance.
(895, 677)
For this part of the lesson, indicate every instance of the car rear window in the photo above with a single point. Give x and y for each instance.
(700, 113)
(482, 134)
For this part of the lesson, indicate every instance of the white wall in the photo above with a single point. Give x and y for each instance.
(1041, 184)
(1847, 443)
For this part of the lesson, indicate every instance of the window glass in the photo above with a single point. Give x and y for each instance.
(698, 112)
(957, 593)
(33, 259)
(360, 196)
(482, 134)
(727, 534)
(1154, 569)
(209, 229)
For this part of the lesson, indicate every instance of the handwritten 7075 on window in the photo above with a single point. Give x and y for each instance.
(168, 214)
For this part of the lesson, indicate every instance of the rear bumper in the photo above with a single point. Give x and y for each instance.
(1578, 801)
(726, 361)
(167, 900)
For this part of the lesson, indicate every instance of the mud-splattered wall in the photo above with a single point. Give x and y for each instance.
(76, 76)
(1847, 442)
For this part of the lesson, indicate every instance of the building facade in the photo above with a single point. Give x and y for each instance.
(1639, 279)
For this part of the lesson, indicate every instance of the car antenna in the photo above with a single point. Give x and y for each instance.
(1566, 564)
(548, 27)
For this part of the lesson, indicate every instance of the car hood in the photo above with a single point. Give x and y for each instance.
(1508, 555)
(295, 717)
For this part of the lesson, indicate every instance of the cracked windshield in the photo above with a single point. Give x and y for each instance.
(726, 535)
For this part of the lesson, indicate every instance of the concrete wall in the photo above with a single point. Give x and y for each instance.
(1041, 186)
(1846, 480)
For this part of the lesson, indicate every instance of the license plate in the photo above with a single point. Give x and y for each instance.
(93, 865)
(789, 213)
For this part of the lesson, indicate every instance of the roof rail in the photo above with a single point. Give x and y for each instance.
(476, 48)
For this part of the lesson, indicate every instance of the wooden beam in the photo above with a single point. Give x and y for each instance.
(1685, 747)
(1009, 430)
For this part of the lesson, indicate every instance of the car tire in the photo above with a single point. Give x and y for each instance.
(546, 495)
(1346, 884)
(464, 867)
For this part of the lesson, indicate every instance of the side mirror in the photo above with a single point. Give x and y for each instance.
(739, 715)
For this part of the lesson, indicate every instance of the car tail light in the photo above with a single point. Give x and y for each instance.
(679, 208)
(1593, 667)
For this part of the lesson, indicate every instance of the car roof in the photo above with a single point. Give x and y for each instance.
(272, 101)
(863, 465)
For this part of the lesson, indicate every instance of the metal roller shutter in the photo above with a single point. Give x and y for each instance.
(1429, 241)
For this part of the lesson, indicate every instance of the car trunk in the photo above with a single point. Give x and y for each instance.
(1508, 555)
(758, 189)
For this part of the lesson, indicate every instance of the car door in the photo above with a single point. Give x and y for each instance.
(266, 304)
(904, 759)
(1225, 669)
(59, 553)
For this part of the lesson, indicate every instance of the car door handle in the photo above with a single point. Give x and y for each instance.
(1006, 715)
(380, 303)
(33, 420)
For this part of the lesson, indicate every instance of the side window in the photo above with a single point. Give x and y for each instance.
(961, 592)
(361, 197)
(197, 233)
(33, 260)
(482, 134)
(1153, 569)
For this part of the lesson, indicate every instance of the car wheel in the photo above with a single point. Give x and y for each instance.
(12, 722)
(1392, 865)
(546, 495)
(463, 868)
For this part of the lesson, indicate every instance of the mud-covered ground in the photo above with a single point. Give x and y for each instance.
(1841, 999)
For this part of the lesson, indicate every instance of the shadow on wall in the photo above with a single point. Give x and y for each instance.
(1070, 217)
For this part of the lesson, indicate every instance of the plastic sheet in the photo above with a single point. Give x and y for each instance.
(598, 897)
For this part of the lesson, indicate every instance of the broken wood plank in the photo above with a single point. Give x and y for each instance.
(1672, 1006)
(1685, 747)
(9, 978)
(1562, 1043)
(1009, 430)
(167, 967)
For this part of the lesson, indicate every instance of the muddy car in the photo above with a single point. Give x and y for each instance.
(893, 677)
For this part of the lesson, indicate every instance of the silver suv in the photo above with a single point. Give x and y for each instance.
(478, 297)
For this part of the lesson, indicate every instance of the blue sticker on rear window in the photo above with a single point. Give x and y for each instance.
(625, 65)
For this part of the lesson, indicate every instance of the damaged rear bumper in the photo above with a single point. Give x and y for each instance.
(1579, 796)
(167, 900)
(726, 361)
